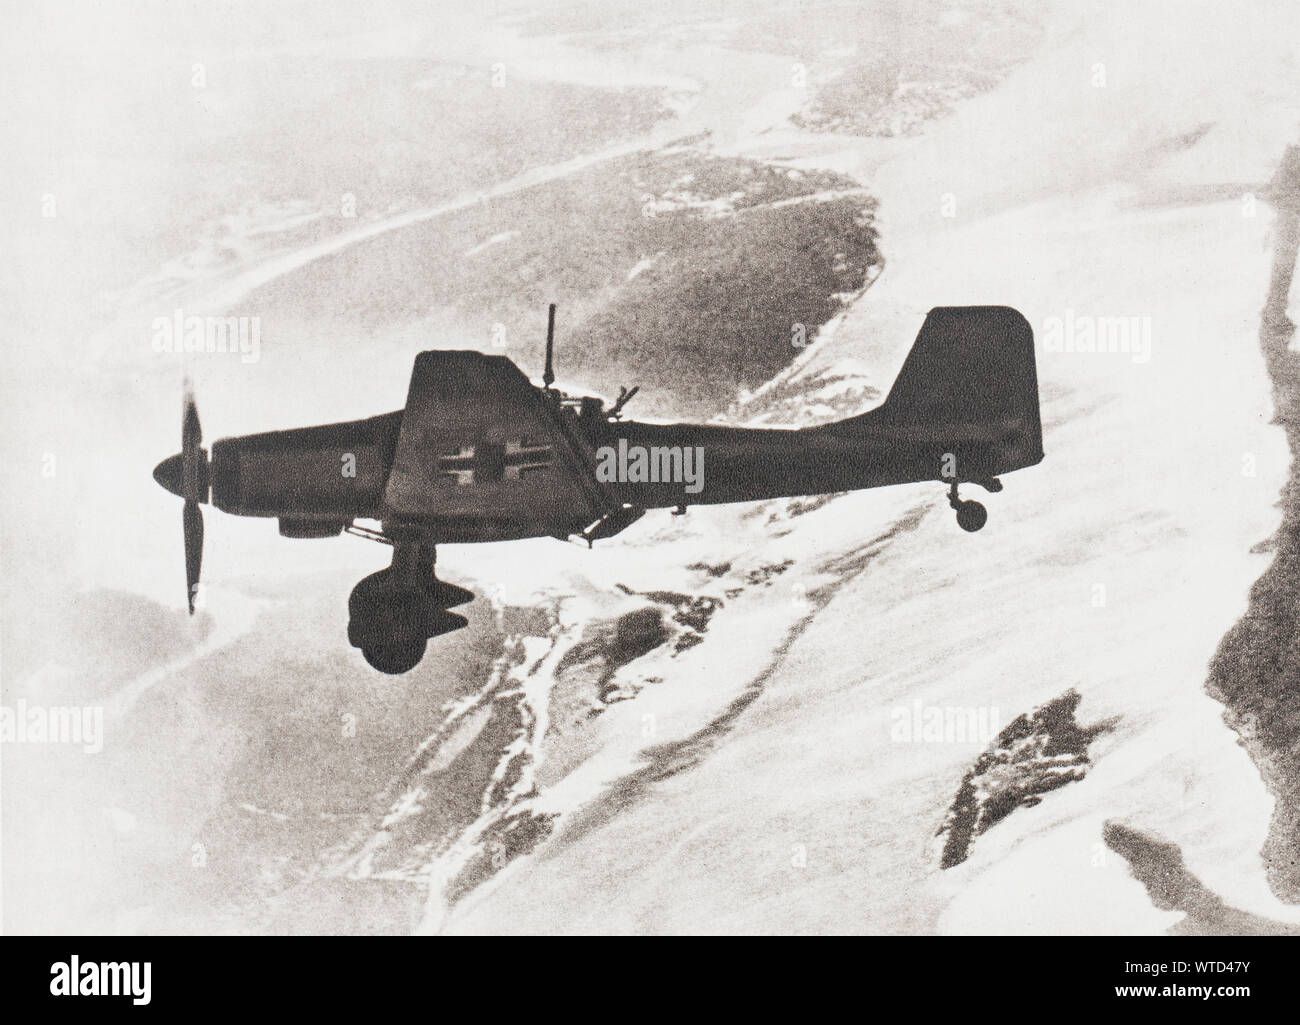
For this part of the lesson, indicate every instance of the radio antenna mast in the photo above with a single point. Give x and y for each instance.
(548, 375)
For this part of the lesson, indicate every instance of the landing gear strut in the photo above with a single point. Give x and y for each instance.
(970, 514)
(393, 613)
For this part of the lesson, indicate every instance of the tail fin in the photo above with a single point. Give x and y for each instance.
(969, 364)
(969, 379)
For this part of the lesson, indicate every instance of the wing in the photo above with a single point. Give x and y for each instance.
(486, 455)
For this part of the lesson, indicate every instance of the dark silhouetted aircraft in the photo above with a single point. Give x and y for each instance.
(479, 453)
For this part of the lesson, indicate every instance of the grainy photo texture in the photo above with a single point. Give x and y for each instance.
(650, 467)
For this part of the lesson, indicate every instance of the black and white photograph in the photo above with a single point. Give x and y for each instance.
(648, 468)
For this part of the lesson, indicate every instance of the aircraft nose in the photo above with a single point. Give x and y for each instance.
(169, 472)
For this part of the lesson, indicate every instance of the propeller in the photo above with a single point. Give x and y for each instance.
(186, 474)
(192, 519)
(194, 489)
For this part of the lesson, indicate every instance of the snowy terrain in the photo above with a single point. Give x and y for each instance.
(704, 724)
(1059, 189)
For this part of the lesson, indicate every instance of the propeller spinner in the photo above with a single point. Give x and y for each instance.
(186, 475)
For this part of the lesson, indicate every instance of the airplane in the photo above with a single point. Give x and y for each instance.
(479, 453)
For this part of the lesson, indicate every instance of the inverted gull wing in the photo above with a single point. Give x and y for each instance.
(486, 454)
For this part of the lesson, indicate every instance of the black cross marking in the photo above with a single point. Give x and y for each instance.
(489, 462)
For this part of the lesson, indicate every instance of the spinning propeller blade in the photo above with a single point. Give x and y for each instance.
(186, 474)
(194, 489)
(192, 519)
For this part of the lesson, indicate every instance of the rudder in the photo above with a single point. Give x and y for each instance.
(969, 385)
(969, 364)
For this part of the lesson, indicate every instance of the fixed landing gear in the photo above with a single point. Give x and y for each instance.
(971, 515)
(393, 613)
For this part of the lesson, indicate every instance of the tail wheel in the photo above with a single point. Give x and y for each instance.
(971, 515)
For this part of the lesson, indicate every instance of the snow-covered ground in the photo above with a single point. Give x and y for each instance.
(1113, 568)
(748, 773)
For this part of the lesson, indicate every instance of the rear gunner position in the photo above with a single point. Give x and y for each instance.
(481, 454)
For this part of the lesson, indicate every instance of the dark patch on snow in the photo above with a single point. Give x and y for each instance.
(1034, 754)
(691, 612)
(510, 838)
(1159, 867)
(607, 647)
(764, 574)
(1256, 671)
(719, 570)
